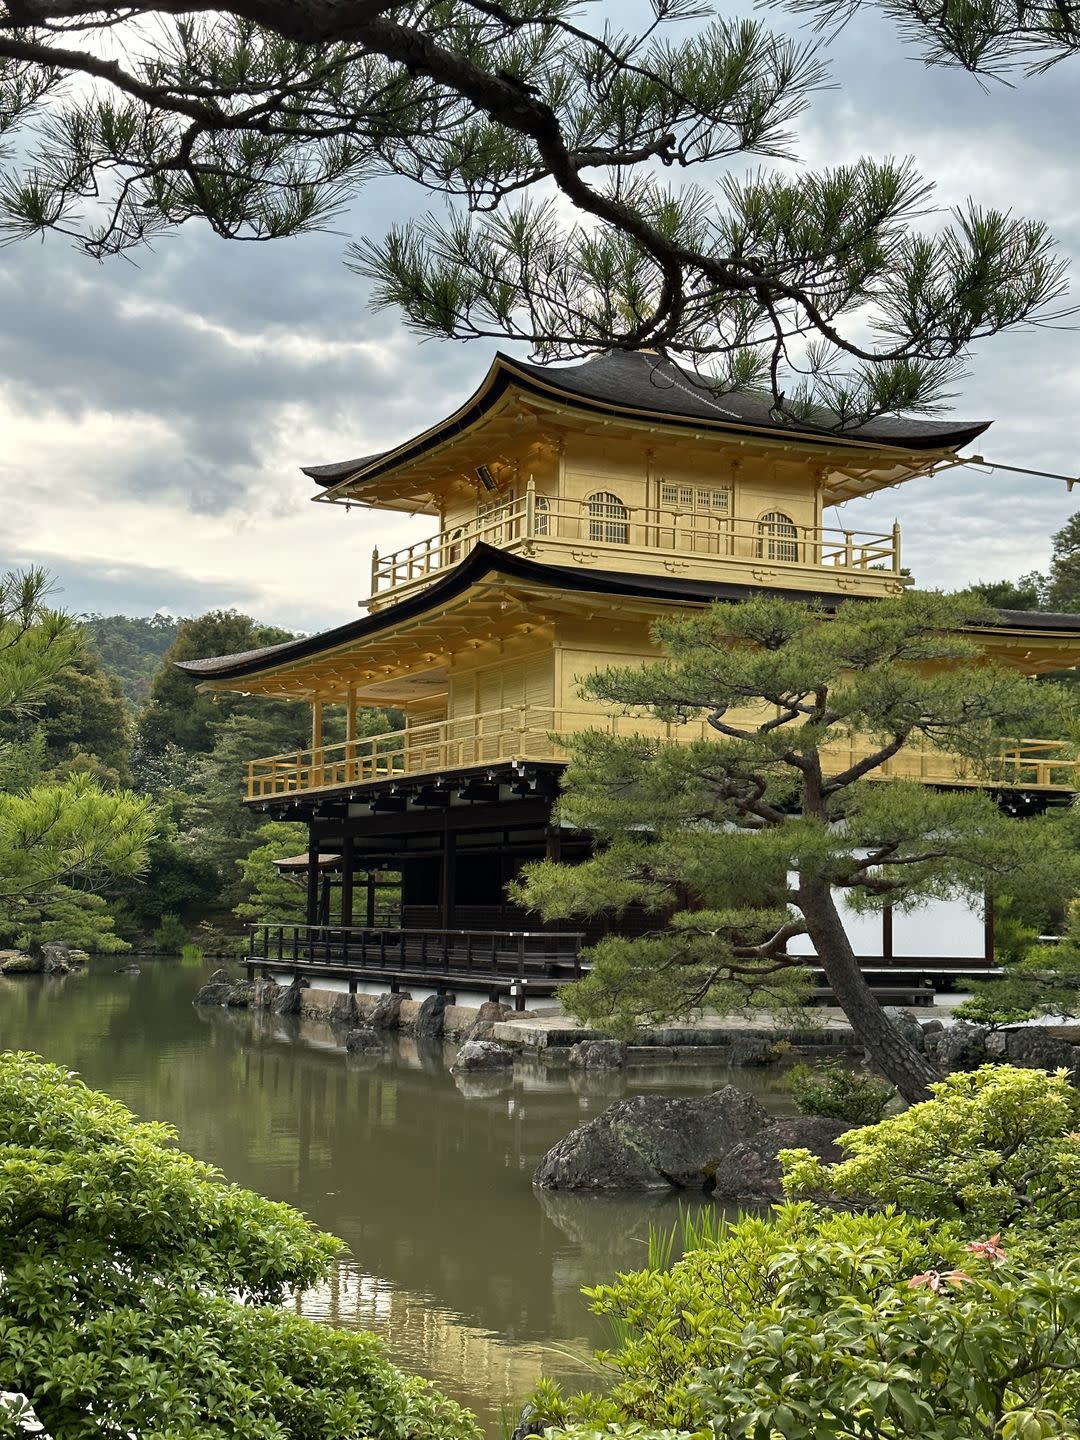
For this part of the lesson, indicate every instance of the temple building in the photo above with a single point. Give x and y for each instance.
(570, 506)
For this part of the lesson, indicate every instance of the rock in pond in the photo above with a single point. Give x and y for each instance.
(60, 958)
(223, 989)
(288, 1001)
(431, 1017)
(750, 1169)
(18, 962)
(597, 1055)
(652, 1142)
(343, 1011)
(363, 1040)
(958, 1047)
(481, 1055)
(908, 1023)
(385, 1014)
(490, 1012)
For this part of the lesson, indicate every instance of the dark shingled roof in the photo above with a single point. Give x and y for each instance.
(638, 383)
(486, 560)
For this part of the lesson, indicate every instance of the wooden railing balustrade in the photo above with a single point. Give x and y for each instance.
(530, 732)
(579, 532)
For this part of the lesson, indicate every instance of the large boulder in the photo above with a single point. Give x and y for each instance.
(908, 1023)
(385, 1014)
(264, 994)
(652, 1142)
(1032, 1048)
(431, 1017)
(597, 1055)
(363, 1040)
(289, 1001)
(750, 1169)
(60, 958)
(489, 1014)
(482, 1055)
(958, 1047)
(217, 989)
(343, 1010)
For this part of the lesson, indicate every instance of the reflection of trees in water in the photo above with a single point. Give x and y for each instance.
(475, 1366)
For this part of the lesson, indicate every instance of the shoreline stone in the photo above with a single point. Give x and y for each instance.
(481, 1055)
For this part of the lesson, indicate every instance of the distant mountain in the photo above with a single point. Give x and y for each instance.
(131, 648)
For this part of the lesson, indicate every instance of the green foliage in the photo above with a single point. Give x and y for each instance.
(1038, 979)
(83, 719)
(79, 917)
(175, 881)
(36, 643)
(142, 1295)
(809, 1324)
(265, 890)
(1063, 581)
(178, 713)
(191, 955)
(263, 120)
(1022, 594)
(172, 937)
(131, 648)
(839, 1092)
(995, 1148)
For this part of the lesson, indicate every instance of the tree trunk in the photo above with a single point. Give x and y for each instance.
(895, 1057)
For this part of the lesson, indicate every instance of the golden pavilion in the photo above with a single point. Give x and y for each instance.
(570, 506)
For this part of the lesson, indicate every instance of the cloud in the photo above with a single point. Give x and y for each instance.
(154, 416)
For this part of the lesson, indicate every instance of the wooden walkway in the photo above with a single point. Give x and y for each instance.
(524, 965)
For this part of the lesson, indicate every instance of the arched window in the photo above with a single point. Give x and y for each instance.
(779, 536)
(542, 515)
(608, 519)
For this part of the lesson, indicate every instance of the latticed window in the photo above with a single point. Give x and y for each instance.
(695, 497)
(542, 516)
(609, 519)
(453, 546)
(779, 536)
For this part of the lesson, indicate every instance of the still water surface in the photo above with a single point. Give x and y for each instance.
(470, 1276)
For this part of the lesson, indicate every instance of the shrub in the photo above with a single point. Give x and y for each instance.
(840, 1093)
(171, 936)
(191, 955)
(995, 1147)
(817, 1326)
(142, 1296)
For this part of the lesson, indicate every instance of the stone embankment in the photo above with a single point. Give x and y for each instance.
(724, 1145)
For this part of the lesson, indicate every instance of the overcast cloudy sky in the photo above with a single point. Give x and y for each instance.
(153, 417)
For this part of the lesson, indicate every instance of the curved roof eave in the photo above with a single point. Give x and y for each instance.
(906, 434)
(484, 560)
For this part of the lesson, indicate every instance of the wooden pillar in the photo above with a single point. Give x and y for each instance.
(446, 889)
(312, 913)
(887, 933)
(350, 734)
(988, 929)
(325, 886)
(347, 881)
(553, 843)
(316, 742)
(371, 899)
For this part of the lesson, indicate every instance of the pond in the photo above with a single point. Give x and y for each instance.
(470, 1276)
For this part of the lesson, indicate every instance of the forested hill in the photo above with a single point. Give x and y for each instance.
(131, 648)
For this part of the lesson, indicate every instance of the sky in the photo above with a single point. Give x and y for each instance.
(154, 415)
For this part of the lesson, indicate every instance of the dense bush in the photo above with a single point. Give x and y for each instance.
(997, 1147)
(837, 1327)
(142, 1296)
(840, 1093)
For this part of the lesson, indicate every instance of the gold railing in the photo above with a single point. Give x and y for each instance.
(591, 530)
(527, 732)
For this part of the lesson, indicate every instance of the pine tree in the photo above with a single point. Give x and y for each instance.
(740, 843)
